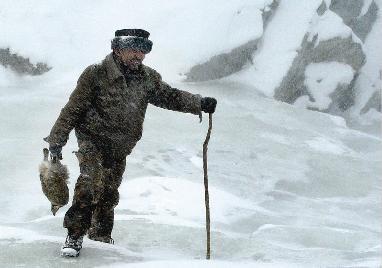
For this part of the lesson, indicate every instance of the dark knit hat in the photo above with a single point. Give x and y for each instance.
(136, 39)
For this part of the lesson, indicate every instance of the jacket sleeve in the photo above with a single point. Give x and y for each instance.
(79, 102)
(167, 97)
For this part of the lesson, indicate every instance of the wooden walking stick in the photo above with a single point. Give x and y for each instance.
(206, 194)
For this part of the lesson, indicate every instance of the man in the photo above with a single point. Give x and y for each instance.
(107, 110)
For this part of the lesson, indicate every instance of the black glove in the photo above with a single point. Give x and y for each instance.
(55, 151)
(208, 105)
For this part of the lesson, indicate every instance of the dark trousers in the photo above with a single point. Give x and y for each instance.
(95, 194)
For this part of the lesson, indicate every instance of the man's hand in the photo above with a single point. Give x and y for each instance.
(55, 151)
(208, 105)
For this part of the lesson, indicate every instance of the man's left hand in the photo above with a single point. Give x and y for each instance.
(208, 105)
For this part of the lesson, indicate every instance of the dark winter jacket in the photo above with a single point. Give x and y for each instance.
(108, 108)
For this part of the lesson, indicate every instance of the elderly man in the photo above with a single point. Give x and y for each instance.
(107, 110)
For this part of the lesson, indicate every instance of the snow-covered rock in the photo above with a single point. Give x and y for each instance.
(227, 63)
(20, 64)
(336, 36)
(366, 114)
(323, 73)
(322, 79)
(359, 15)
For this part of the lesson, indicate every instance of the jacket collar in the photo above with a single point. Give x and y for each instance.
(114, 71)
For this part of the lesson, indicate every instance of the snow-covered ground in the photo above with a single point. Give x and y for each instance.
(288, 187)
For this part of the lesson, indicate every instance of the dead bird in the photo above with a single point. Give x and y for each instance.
(54, 179)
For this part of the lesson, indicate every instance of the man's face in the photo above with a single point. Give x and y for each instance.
(131, 58)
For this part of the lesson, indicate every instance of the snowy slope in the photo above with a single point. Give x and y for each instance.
(286, 185)
(289, 187)
(280, 44)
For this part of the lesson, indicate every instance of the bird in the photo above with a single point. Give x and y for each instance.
(54, 178)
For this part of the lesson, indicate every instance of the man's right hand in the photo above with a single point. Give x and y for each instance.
(55, 151)
(208, 105)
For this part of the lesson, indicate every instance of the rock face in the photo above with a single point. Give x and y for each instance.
(324, 75)
(335, 52)
(20, 64)
(228, 63)
(223, 64)
(341, 50)
(358, 16)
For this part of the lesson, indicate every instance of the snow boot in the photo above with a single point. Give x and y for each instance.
(104, 239)
(72, 246)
